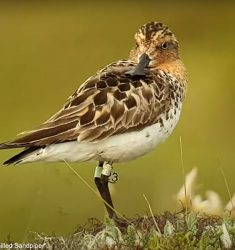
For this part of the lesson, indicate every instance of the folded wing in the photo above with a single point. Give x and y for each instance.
(109, 103)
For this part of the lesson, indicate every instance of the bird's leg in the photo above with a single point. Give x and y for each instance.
(102, 174)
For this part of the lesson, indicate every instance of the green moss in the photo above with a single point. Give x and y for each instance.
(178, 231)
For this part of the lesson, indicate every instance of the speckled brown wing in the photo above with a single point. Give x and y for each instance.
(109, 103)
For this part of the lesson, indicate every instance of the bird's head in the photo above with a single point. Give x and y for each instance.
(157, 42)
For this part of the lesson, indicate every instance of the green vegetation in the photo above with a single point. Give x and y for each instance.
(181, 231)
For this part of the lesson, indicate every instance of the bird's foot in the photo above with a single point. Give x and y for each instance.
(121, 223)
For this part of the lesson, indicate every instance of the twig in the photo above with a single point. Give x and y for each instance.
(183, 172)
(151, 212)
(227, 187)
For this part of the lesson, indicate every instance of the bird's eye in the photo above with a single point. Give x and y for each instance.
(165, 45)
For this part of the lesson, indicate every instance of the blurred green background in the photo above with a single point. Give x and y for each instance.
(47, 49)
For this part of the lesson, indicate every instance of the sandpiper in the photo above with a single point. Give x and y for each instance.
(122, 112)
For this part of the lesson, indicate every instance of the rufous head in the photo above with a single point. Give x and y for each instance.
(158, 42)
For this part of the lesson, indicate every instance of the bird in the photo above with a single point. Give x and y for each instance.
(118, 114)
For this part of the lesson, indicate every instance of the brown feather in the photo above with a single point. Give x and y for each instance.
(107, 104)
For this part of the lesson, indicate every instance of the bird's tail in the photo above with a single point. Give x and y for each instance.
(6, 145)
(19, 157)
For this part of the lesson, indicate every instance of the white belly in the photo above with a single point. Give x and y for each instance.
(117, 148)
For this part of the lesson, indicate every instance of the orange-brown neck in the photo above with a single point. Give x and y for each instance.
(175, 67)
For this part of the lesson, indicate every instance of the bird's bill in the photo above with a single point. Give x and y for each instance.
(139, 69)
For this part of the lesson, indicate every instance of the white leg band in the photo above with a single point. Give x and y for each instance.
(107, 169)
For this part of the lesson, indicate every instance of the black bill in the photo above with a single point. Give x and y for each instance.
(139, 69)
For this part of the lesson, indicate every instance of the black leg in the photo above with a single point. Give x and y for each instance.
(102, 185)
